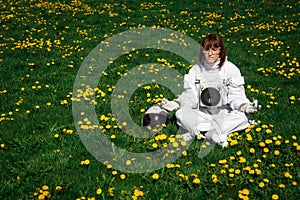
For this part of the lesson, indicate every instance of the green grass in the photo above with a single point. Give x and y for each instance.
(42, 46)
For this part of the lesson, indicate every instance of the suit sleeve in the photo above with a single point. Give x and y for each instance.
(236, 92)
(189, 96)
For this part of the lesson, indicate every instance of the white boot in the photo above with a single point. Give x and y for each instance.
(224, 144)
(188, 136)
(218, 138)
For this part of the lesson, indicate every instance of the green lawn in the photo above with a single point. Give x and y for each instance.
(43, 45)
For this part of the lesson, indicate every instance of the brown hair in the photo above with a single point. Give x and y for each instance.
(213, 41)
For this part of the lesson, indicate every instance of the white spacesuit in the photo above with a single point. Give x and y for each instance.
(213, 102)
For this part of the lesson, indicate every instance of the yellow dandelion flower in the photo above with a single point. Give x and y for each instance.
(266, 150)
(47, 194)
(258, 171)
(196, 181)
(183, 143)
(247, 168)
(41, 197)
(244, 192)
(268, 141)
(113, 136)
(138, 193)
(128, 162)
(281, 185)
(58, 188)
(114, 172)
(154, 145)
(269, 131)
(276, 152)
(181, 175)
(273, 165)
(233, 142)
(264, 156)
(109, 166)
(242, 160)
(266, 180)
(262, 144)
(295, 144)
(134, 197)
(99, 191)
(223, 161)
(294, 137)
(258, 129)
(275, 197)
(170, 165)
(111, 192)
(264, 126)
(175, 144)
(122, 176)
(249, 137)
(241, 196)
(155, 176)
(286, 141)
(188, 163)
(87, 162)
(45, 187)
(261, 184)
(247, 130)
(292, 98)
(214, 178)
(288, 175)
(70, 132)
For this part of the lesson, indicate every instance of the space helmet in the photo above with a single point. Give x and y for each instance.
(155, 118)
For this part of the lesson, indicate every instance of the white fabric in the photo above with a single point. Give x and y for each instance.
(168, 105)
(250, 107)
(194, 118)
(156, 110)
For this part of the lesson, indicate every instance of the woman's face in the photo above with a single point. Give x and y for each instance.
(212, 54)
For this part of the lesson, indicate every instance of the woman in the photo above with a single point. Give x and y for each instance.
(213, 103)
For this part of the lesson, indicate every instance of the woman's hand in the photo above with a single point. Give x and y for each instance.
(251, 107)
(169, 105)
